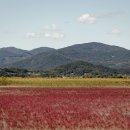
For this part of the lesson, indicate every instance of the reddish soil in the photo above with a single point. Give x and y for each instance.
(65, 108)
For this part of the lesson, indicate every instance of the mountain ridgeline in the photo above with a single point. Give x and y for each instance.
(10, 55)
(44, 59)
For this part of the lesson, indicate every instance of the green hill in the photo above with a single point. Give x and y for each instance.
(82, 69)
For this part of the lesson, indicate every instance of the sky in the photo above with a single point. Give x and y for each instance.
(29, 24)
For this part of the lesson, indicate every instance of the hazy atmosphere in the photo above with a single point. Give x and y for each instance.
(28, 24)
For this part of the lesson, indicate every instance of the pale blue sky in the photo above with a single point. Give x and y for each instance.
(29, 24)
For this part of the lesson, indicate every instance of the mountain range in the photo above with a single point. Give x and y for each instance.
(45, 58)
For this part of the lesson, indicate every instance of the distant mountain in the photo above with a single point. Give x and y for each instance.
(42, 61)
(81, 68)
(95, 53)
(11, 54)
(41, 50)
(12, 51)
(99, 53)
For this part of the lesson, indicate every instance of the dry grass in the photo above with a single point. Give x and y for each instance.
(65, 82)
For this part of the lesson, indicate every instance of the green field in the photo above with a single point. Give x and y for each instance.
(65, 82)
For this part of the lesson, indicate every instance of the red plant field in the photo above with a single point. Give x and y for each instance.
(64, 109)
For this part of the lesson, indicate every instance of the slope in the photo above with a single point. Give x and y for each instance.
(42, 61)
(99, 53)
(81, 68)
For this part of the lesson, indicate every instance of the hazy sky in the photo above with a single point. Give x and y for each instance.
(29, 24)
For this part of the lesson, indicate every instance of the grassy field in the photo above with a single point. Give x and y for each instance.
(65, 82)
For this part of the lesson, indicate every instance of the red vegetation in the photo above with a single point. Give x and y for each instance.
(76, 108)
